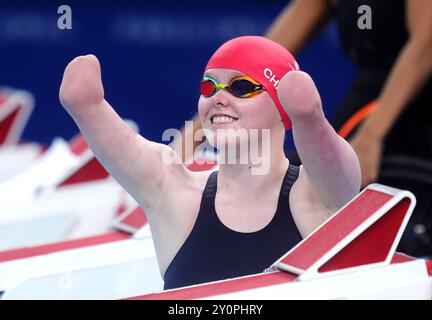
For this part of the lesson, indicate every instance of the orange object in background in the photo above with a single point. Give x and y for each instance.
(356, 118)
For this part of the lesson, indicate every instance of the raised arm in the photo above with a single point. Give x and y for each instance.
(329, 162)
(136, 163)
(299, 22)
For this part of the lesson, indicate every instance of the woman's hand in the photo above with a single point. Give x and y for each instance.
(369, 148)
(82, 84)
(299, 97)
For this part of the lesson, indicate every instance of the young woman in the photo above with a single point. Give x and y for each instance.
(230, 223)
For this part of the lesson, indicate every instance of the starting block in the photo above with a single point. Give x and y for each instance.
(350, 256)
(113, 265)
(66, 194)
(15, 110)
(97, 267)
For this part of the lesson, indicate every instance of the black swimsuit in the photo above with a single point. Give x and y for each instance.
(214, 252)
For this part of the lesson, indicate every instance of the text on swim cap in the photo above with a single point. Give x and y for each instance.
(268, 73)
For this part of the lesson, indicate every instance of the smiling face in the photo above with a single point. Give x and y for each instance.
(225, 111)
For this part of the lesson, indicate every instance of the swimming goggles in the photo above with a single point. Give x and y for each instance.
(240, 87)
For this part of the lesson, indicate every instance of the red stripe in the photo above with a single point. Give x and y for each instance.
(135, 219)
(400, 257)
(429, 266)
(91, 171)
(374, 244)
(236, 285)
(202, 166)
(336, 229)
(7, 123)
(3, 98)
(22, 253)
(78, 145)
(222, 287)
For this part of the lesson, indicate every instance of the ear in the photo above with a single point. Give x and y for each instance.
(298, 95)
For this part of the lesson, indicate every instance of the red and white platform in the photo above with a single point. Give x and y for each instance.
(351, 256)
(112, 265)
(16, 107)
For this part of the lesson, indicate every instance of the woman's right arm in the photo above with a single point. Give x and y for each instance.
(135, 162)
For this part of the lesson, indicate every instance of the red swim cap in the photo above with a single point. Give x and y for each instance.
(259, 58)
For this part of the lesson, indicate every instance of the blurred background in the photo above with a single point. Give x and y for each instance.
(152, 55)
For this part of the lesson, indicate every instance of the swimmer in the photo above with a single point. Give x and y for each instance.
(212, 226)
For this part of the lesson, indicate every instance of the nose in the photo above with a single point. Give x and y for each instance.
(221, 99)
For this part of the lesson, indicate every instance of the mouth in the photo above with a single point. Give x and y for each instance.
(222, 119)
